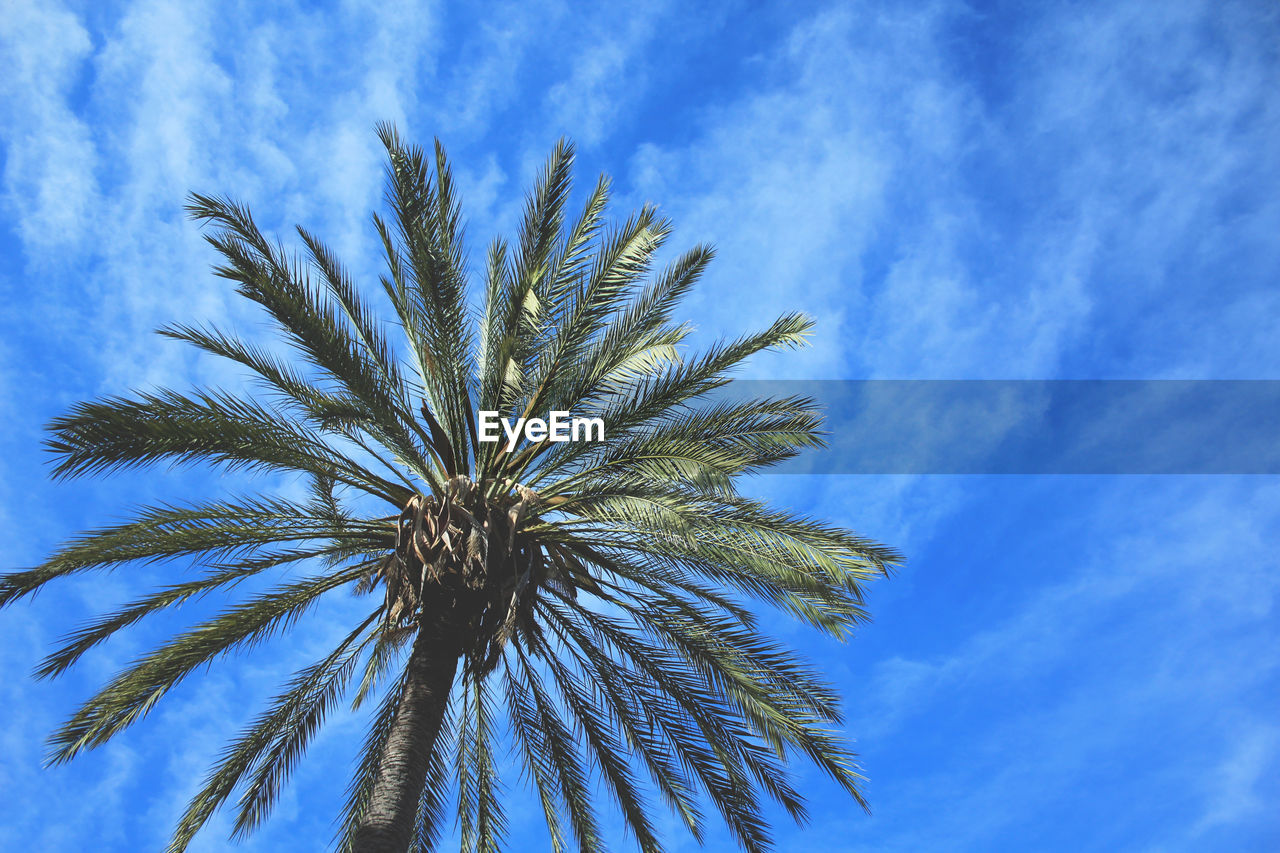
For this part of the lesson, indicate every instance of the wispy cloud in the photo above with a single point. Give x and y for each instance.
(607, 73)
(50, 186)
(1083, 681)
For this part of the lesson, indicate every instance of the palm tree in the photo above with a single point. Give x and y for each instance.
(587, 603)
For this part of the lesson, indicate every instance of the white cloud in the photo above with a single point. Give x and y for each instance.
(49, 156)
(1163, 625)
(606, 75)
(939, 230)
(486, 77)
(793, 182)
(1152, 129)
(1233, 788)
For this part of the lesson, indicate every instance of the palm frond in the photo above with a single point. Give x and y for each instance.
(212, 532)
(133, 693)
(279, 732)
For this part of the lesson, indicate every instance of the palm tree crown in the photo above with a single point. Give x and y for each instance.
(587, 605)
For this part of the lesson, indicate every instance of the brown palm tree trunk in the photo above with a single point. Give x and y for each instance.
(388, 824)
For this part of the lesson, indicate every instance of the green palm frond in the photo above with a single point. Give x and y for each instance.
(586, 610)
(272, 741)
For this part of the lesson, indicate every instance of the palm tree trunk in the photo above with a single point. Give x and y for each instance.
(388, 823)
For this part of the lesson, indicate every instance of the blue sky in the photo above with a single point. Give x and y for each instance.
(985, 190)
